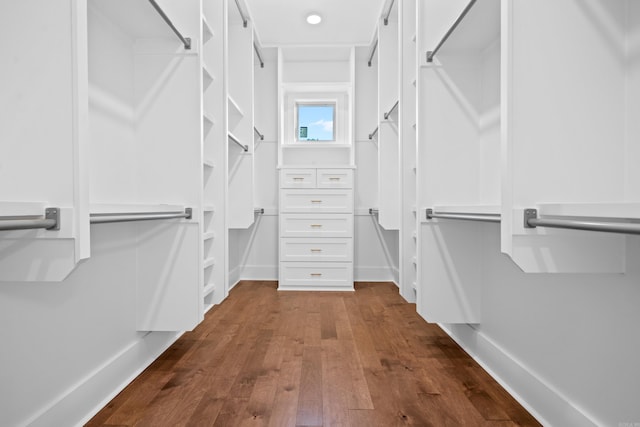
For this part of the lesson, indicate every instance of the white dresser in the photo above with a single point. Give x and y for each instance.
(316, 229)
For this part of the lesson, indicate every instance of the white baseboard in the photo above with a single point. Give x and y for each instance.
(259, 272)
(234, 277)
(543, 401)
(360, 274)
(373, 274)
(83, 400)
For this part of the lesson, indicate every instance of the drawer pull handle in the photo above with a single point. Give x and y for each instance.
(334, 179)
(316, 201)
(316, 225)
(316, 274)
(298, 179)
(316, 250)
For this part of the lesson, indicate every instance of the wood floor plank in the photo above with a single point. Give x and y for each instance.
(285, 359)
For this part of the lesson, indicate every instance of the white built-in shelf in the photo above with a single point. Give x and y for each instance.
(234, 108)
(208, 289)
(207, 31)
(480, 209)
(314, 144)
(208, 208)
(113, 208)
(209, 262)
(209, 235)
(590, 210)
(208, 118)
(208, 163)
(318, 166)
(207, 75)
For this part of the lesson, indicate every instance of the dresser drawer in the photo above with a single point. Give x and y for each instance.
(316, 249)
(316, 276)
(334, 178)
(316, 225)
(297, 178)
(314, 200)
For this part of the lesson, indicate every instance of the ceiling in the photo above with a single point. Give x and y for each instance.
(344, 22)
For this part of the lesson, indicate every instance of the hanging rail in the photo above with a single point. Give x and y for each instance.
(386, 18)
(432, 53)
(482, 217)
(185, 40)
(258, 211)
(50, 221)
(244, 147)
(531, 220)
(373, 52)
(372, 134)
(386, 115)
(104, 218)
(257, 49)
(244, 19)
(261, 136)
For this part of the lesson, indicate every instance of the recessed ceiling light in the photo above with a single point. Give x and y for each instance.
(314, 18)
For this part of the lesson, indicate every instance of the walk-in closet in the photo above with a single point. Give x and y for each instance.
(306, 213)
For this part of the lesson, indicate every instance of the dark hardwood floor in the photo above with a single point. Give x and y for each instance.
(264, 358)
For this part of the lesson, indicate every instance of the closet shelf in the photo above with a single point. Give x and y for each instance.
(209, 262)
(208, 208)
(316, 145)
(207, 75)
(207, 31)
(208, 118)
(208, 163)
(209, 235)
(208, 290)
(591, 210)
(234, 108)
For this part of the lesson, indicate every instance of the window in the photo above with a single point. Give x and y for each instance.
(316, 122)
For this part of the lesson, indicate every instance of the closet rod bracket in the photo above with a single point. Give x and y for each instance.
(189, 213)
(530, 214)
(53, 214)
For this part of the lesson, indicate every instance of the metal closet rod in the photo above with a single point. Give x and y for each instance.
(432, 53)
(49, 221)
(258, 133)
(373, 52)
(386, 18)
(464, 216)
(372, 134)
(244, 147)
(244, 19)
(185, 40)
(104, 218)
(531, 220)
(257, 49)
(386, 115)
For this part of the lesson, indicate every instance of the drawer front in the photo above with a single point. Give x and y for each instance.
(319, 275)
(316, 249)
(316, 225)
(310, 201)
(297, 178)
(335, 178)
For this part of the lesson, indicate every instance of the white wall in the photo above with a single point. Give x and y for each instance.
(74, 342)
(254, 252)
(566, 345)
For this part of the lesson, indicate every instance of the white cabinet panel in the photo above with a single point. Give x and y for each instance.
(316, 249)
(298, 178)
(316, 276)
(335, 178)
(320, 225)
(314, 200)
